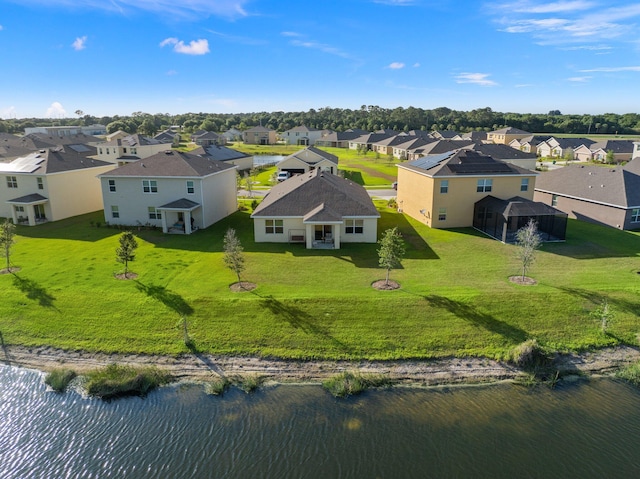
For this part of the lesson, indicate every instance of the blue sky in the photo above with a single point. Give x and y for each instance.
(108, 57)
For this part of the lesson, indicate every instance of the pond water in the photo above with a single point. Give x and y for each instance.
(260, 160)
(583, 430)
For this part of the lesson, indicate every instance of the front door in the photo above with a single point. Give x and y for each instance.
(39, 212)
(322, 232)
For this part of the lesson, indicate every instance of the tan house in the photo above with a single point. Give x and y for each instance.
(309, 159)
(259, 135)
(51, 184)
(317, 209)
(606, 196)
(130, 148)
(507, 154)
(175, 191)
(441, 190)
(561, 147)
(528, 144)
(506, 135)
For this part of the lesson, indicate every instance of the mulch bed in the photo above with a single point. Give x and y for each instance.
(382, 285)
(242, 286)
(519, 280)
(127, 276)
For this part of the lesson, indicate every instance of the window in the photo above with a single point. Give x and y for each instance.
(114, 212)
(154, 214)
(150, 186)
(107, 151)
(19, 209)
(190, 188)
(12, 182)
(100, 151)
(442, 214)
(554, 200)
(444, 186)
(112, 185)
(524, 184)
(484, 185)
(124, 150)
(40, 183)
(635, 215)
(134, 151)
(354, 226)
(274, 226)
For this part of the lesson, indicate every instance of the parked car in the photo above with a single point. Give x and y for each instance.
(283, 175)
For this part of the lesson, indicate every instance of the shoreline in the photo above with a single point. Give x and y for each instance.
(203, 367)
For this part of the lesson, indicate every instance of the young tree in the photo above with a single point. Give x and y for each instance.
(233, 253)
(528, 241)
(248, 183)
(7, 240)
(610, 157)
(391, 250)
(126, 252)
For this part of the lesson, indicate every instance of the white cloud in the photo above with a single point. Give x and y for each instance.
(321, 47)
(195, 47)
(182, 10)
(171, 73)
(612, 69)
(290, 34)
(579, 79)
(1, 28)
(56, 111)
(416, 65)
(553, 7)
(79, 43)
(396, 3)
(475, 78)
(396, 66)
(9, 112)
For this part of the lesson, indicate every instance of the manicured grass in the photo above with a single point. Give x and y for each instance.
(455, 297)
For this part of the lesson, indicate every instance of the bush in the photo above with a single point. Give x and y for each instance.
(217, 386)
(59, 379)
(116, 380)
(351, 384)
(528, 355)
(631, 374)
(249, 383)
(392, 203)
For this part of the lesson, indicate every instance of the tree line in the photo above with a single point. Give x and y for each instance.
(367, 117)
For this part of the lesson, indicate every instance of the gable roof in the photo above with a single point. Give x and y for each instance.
(316, 195)
(463, 163)
(501, 152)
(133, 141)
(171, 163)
(312, 155)
(509, 131)
(570, 142)
(301, 128)
(219, 153)
(617, 146)
(610, 186)
(258, 129)
(442, 146)
(54, 160)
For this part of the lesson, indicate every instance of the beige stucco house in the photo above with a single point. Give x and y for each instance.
(442, 190)
(259, 135)
(51, 184)
(176, 191)
(309, 159)
(317, 209)
(506, 135)
(301, 135)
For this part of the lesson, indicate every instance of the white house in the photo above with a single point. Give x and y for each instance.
(317, 209)
(177, 191)
(308, 159)
(301, 135)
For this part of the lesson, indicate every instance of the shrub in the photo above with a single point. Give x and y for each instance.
(217, 386)
(351, 384)
(528, 355)
(59, 379)
(249, 383)
(631, 374)
(116, 380)
(392, 203)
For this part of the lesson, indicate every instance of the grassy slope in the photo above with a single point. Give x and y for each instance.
(455, 297)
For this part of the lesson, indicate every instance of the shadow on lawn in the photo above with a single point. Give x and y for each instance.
(299, 319)
(596, 298)
(483, 320)
(170, 299)
(34, 291)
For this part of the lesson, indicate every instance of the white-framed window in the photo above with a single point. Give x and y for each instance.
(444, 186)
(112, 185)
(191, 189)
(274, 227)
(40, 182)
(524, 184)
(107, 151)
(19, 209)
(100, 151)
(124, 150)
(149, 186)
(12, 182)
(635, 215)
(353, 226)
(484, 185)
(115, 213)
(554, 200)
(154, 214)
(134, 151)
(442, 214)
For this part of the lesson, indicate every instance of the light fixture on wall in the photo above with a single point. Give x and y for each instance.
(422, 212)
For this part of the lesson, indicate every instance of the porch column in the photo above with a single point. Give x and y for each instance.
(336, 236)
(164, 222)
(14, 215)
(309, 235)
(187, 223)
(31, 214)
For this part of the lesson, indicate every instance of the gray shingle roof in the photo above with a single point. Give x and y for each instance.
(461, 163)
(501, 152)
(56, 160)
(617, 146)
(319, 195)
(219, 153)
(29, 199)
(310, 155)
(611, 186)
(171, 163)
(510, 131)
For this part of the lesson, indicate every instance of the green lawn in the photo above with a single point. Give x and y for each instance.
(455, 298)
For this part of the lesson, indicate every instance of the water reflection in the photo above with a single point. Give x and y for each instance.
(585, 430)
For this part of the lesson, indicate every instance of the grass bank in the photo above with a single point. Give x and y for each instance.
(455, 299)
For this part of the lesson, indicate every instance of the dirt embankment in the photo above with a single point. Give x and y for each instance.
(200, 367)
